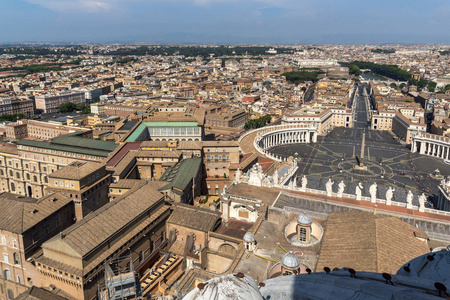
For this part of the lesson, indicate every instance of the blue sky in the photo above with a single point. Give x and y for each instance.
(226, 21)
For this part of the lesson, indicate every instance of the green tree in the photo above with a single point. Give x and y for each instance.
(12, 117)
(302, 75)
(67, 107)
(257, 123)
(71, 107)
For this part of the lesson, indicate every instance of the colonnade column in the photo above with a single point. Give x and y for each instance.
(422, 147)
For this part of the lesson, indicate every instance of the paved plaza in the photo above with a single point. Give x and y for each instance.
(389, 162)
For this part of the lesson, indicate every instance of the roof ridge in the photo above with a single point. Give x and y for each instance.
(22, 216)
(95, 213)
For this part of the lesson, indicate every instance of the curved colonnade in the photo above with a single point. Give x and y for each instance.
(274, 136)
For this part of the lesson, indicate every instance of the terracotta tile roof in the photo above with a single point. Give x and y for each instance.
(18, 213)
(8, 148)
(368, 242)
(266, 195)
(127, 183)
(194, 217)
(220, 144)
(121, 151)
(76, 170)
(99, 226)
(37, 293)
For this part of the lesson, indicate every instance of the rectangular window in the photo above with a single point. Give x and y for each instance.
(3, 240)
(34, 236)
(6, 258)
(57, 221)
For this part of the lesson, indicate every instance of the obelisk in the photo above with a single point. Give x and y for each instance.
(361, 158)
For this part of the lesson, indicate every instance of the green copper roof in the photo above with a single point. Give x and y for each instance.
(73, 143)
(181, 174)
(134, 135)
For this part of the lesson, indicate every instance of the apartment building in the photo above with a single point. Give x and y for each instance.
(48, 130)
(405, 128)
(16, 131)
(24, 168)
(323, 119)
(49, 103)
(16, 105)
(86, 183)
(231, 118)
(25, 223)
(123, 110)
(98, 108)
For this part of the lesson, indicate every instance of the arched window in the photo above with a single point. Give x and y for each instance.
(16, 259)
(28, 176)
(7, 274)
(13, 187)
(11, 173)
(17, 174)
(302, 235)
(1, 172)
(35, 178)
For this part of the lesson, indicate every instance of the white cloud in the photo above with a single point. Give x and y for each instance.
(74, 5)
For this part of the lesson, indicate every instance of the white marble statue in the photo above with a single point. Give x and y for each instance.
(422, 200)
(358, 191)
(237, 176)
(304, 182)
(329, 187)
(341, 189)
(409, 199)
(389, 195)
(373, 192)
(256, 175)
(275, 177)
(267, 182)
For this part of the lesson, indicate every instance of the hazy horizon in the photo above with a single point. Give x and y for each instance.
(225, 21)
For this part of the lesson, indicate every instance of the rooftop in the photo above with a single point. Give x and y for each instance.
(97, 227)
(72, 143)
(369, 242)
(19, 213)
(194, 217)
(76, 170)
(181, 174)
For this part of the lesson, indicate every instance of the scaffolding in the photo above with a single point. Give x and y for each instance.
(121, 281)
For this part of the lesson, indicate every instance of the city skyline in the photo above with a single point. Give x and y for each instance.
(210, 21)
